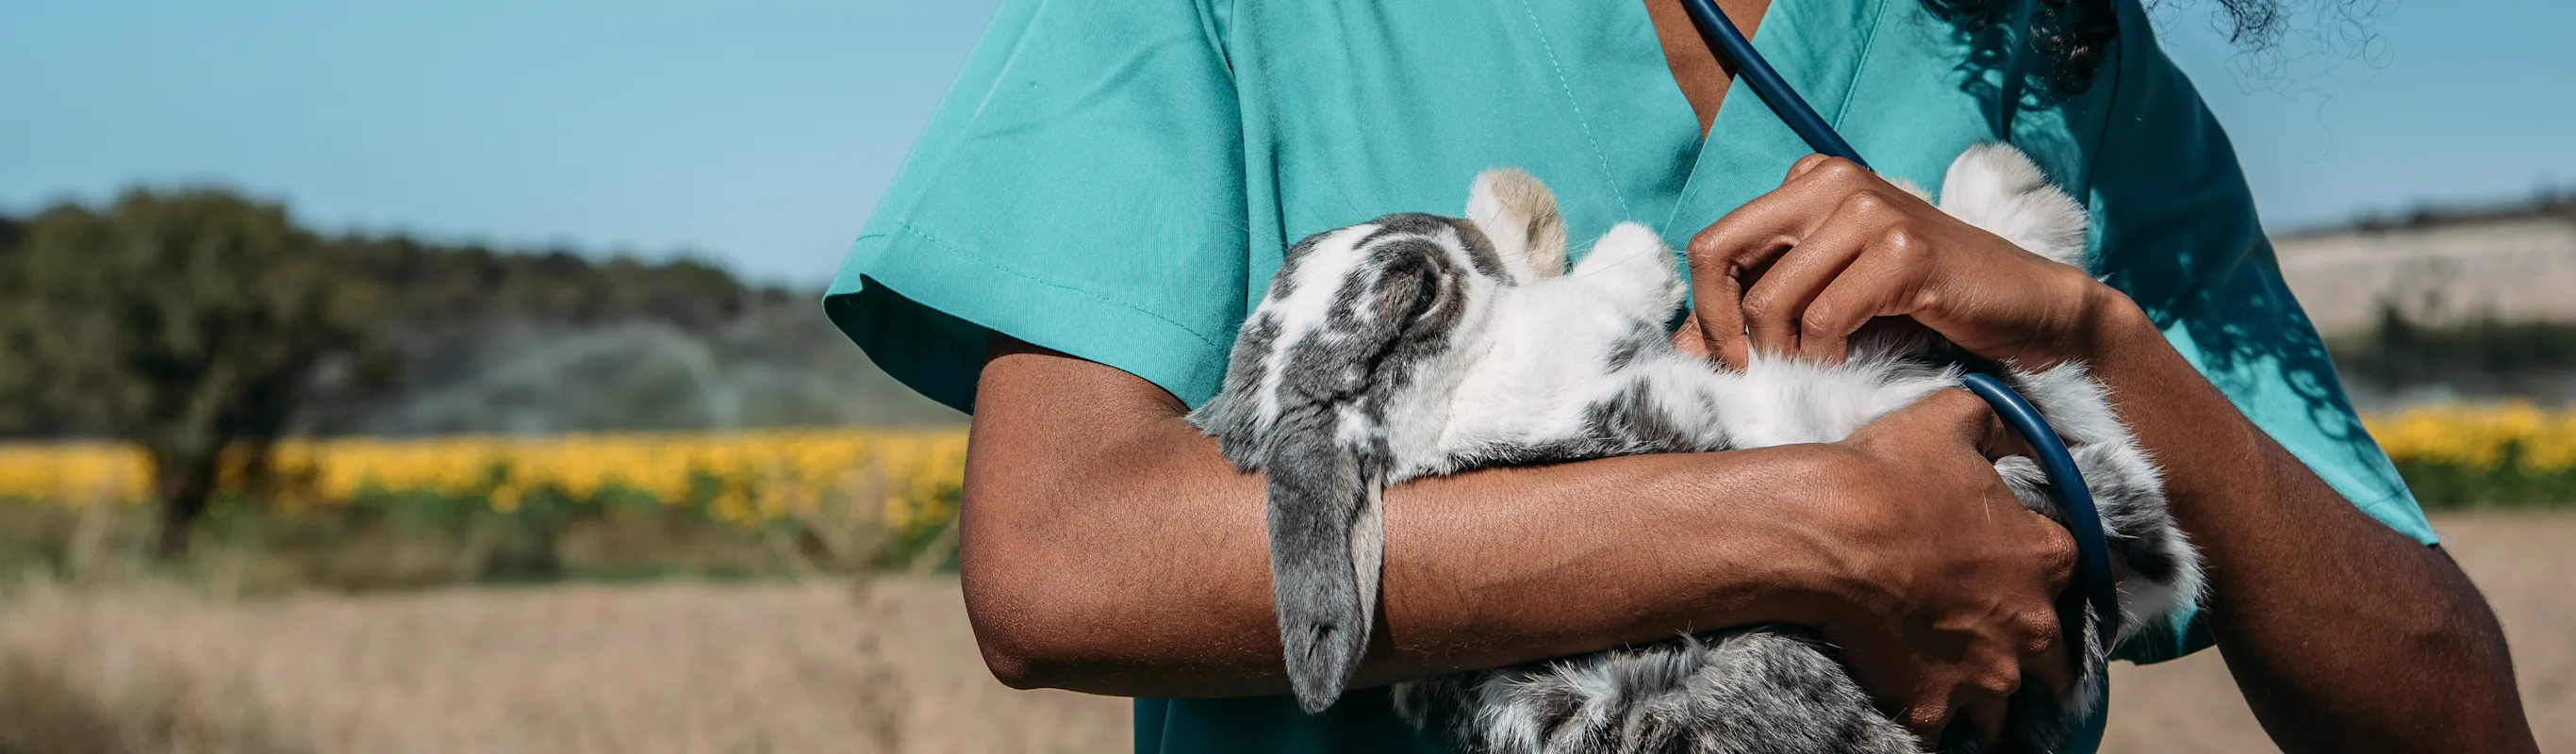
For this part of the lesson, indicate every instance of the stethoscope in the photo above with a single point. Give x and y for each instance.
(2092, 551)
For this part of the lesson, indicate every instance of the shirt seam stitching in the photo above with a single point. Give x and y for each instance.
(1219, 39)
(2100, 250)
(926, 236)
(2111, 119)
(1868, 44)
(1577, 107)
(2402, 494)
(2382, 500)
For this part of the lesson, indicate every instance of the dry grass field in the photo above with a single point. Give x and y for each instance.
(883, 667)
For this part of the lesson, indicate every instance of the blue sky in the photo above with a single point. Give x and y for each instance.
(759, 134)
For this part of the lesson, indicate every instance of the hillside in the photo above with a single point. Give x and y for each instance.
(543, 342)
(497, 340)
(2441, 305)
(2438, 305)
(2513, 263)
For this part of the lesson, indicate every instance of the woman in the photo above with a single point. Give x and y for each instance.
(1107, 190)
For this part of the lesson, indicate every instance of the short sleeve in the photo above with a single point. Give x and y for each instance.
(1080, 188)
(2180, 235)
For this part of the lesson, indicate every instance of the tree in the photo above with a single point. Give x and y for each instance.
(192, 323)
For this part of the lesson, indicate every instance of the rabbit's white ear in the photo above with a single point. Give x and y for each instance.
(1633, 266)
(1517, 212)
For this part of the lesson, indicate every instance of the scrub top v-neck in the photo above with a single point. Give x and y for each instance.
(1118, 181)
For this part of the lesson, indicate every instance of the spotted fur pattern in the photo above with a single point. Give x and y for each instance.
(1416, 345)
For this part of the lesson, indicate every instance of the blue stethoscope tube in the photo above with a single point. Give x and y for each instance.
(1729, 43)
(2092, 550)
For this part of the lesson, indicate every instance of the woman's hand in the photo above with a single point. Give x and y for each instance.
(1933, 586)
(1945, 597)
(1950, 600)
(1800, 269)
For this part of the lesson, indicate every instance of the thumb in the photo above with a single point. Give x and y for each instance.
(1687, 341)
(1949, 417)
(1952, 413)
(1967, 417)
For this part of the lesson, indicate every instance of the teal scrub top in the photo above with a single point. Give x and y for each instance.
(1118, 180)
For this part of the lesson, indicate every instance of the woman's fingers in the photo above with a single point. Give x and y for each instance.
(1716, 316)
(1803, 165)
(1985, 717)
(2053, 664)
(1882, 280)
(1960, 415)
(1753, 271)
(1982, 622)
(1726, 255)
(1926, 721)
(1688, 342)
(1774, 305)
(2048, 656)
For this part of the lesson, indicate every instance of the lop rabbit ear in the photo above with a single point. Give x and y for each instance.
(1518, 213)
(1334, 391)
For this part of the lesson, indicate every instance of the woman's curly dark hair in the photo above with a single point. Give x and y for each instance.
(2076, 34)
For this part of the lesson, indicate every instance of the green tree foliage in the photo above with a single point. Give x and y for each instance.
(515, 340)
(193, 323)
(2480, 358)
(452, 283)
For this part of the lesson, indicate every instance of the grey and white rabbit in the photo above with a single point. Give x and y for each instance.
(1416, 345)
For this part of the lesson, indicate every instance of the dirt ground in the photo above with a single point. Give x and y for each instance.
(775, 668)
(2523, 562)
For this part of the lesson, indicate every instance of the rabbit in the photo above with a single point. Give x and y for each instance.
(1415, 345)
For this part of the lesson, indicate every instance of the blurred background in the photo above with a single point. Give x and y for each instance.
(387, 378)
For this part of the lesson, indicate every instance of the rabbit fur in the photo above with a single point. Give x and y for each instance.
(1416, 345)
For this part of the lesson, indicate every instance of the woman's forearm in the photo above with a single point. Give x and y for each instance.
(2343, 634)
(1109, 548)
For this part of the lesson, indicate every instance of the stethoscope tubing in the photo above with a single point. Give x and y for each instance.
(2083, 520)
(1730, 44)
(2092, 547)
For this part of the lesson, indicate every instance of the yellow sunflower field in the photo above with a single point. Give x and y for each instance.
(904, 483)
(745, 478)
(2513, 437)
(913, 476)
(2509, 455)
(370, 513)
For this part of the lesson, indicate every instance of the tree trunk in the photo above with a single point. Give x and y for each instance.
(184, 482)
